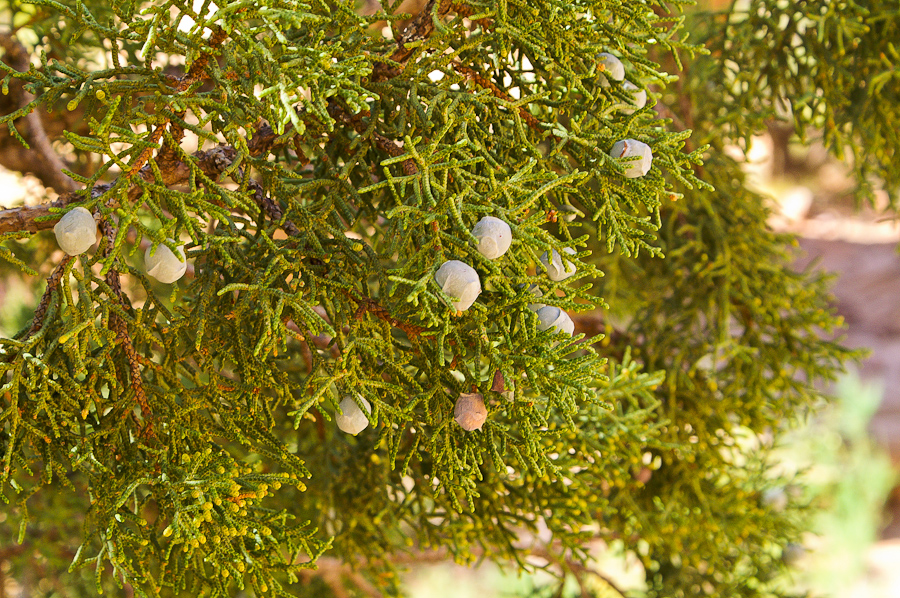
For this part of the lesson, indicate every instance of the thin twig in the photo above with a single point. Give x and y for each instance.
(367, 305)
(120, 327)
(486, 83)
(420, 27)
(578, 569)
(392, 148)
(464, 10)
(37, 321)
(266, 203)
(194, 74)
(52, 284)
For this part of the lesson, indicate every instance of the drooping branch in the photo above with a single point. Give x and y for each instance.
(37, 322)
(120, 327)
(52, 284)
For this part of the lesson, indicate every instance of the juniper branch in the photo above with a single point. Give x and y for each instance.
(212, 163)
(269, 207)
(419, 28)
(383, 143)
(486, 83)
(52, 285)
(120, 327)
(194, 74)
(243, 350)
(367, 305)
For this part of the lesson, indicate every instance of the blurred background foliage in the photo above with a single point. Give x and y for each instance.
(835, 467)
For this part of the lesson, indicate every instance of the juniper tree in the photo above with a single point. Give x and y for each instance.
(319, 166)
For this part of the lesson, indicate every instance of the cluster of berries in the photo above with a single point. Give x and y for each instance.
(460, 281)
(76, 232)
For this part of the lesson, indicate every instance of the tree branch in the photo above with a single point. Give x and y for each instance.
(212, 163)
(194, 74)
(419, 28)
(354, 121)
(119, 326)
(364, 305)
(48, 161)
(52, 284)
(266, 203)
(38, 320)
(529, 118)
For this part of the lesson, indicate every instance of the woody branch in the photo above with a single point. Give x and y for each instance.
(213, 162)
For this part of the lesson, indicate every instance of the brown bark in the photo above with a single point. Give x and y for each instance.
(42, 158)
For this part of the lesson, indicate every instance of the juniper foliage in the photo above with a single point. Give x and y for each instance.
(320, 165)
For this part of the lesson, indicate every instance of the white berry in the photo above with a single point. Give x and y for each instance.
(612, 68)
(164, 265)
(638, 98)
(570, 213)
(351, 419)
(631, 148)
(459, 280)
(470, 412)
(76, 232)
(556, 269)
(494, 237)
(553, 317)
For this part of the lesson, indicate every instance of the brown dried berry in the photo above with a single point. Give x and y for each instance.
(470, 412)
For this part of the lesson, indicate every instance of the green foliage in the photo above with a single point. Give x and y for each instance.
(188, 431)
(852, 477)
(828, 66)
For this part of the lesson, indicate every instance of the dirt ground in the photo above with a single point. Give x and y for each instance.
(867, 295)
